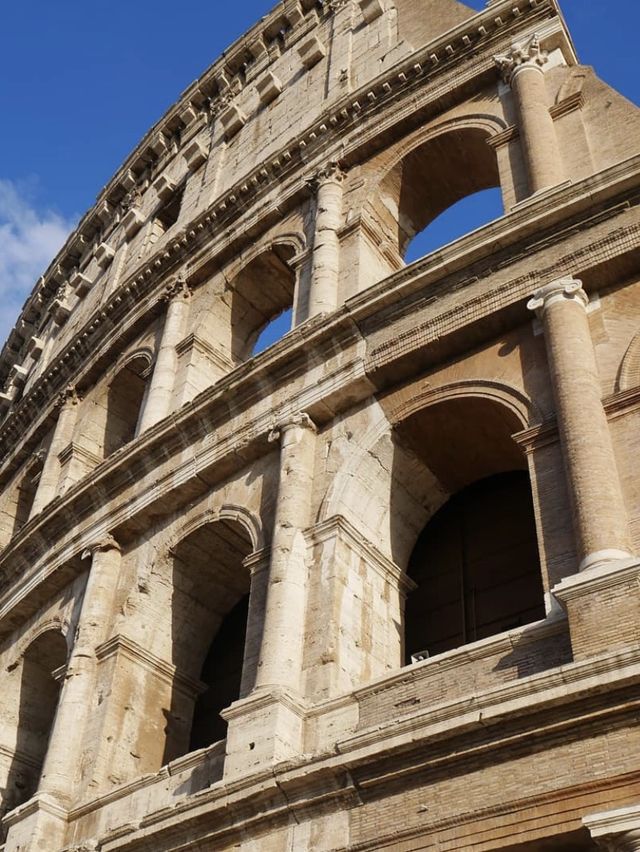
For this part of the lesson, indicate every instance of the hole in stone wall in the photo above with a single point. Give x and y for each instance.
(210, 600)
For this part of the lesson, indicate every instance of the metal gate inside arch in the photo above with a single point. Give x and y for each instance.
(375, 587)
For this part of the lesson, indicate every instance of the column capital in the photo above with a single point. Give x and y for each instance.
(107, 542)
(561, 290)
(292, 421)
(69, 396)
(332, 172)
(616, 831)
(176, 289)
(521, 56)
(628, 841)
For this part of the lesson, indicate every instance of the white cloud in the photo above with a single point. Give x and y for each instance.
(29, 240)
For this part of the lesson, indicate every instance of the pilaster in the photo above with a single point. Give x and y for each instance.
(159, 399)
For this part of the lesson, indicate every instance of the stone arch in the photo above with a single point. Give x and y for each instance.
(415, 181)
(629, 372)
(295, 240)
(521, 405)
(123, 399)
(425, 175)
(251, 291)
(228, 511)
(52, 624)
(379, 446)
(490, 125)
(215, 641)
(41, 656)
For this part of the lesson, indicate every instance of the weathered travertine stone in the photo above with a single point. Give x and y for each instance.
(62, 436)
(369, 632)
(157, 403)
(600, 517)
(62, 771)
(523, 69)
(615, 831)
(326, 243)
(280, 663)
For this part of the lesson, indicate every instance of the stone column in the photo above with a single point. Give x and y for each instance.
(522, 69)
(280, 662)
(323, 295)
(63, 764)
(616, 831)
(599, 514)
(62, 436)
(159, 397)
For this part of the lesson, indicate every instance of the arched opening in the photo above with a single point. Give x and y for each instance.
(474, 557)
(463, 217)
(273, 331)
(476, 568)
(124, 403)
(263, 291)
(40, 681)
(209, 633)
(435, 176)
(26, 492)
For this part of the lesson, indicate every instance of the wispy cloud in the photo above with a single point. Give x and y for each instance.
(29, 240)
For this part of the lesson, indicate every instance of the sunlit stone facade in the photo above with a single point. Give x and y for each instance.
(377, 586)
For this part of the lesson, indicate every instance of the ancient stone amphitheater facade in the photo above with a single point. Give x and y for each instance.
(374, 588)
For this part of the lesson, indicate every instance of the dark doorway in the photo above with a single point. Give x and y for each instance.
(222, 672)
(476, 567)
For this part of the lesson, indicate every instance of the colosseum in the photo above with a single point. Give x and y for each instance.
(373, 586)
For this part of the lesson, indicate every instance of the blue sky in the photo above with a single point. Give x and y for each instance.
(82, 83)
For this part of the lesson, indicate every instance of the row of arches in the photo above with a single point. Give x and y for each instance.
(473, 564)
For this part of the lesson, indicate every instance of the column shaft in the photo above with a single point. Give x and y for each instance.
(537, 131)
(159, 397)
(323, 296)
(62, 436)
(63, 763)
(522, 69)
(280, 663)
(599, 513)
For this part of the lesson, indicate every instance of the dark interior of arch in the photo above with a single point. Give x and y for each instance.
(476, 567)
(124, 402)
(26, 495)
(209, 623)
(262, 291)
(39, 692)
(432, 178)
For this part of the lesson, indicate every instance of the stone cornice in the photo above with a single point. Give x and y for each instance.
(160, 668)
(373, 758)
(498, 22)
(386, 568)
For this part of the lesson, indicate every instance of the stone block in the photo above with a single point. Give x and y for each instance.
(132, 222)
(311, 51)
(232, 119)
(195, 154)
(371, 9)
(104, 255)
(268, 87)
